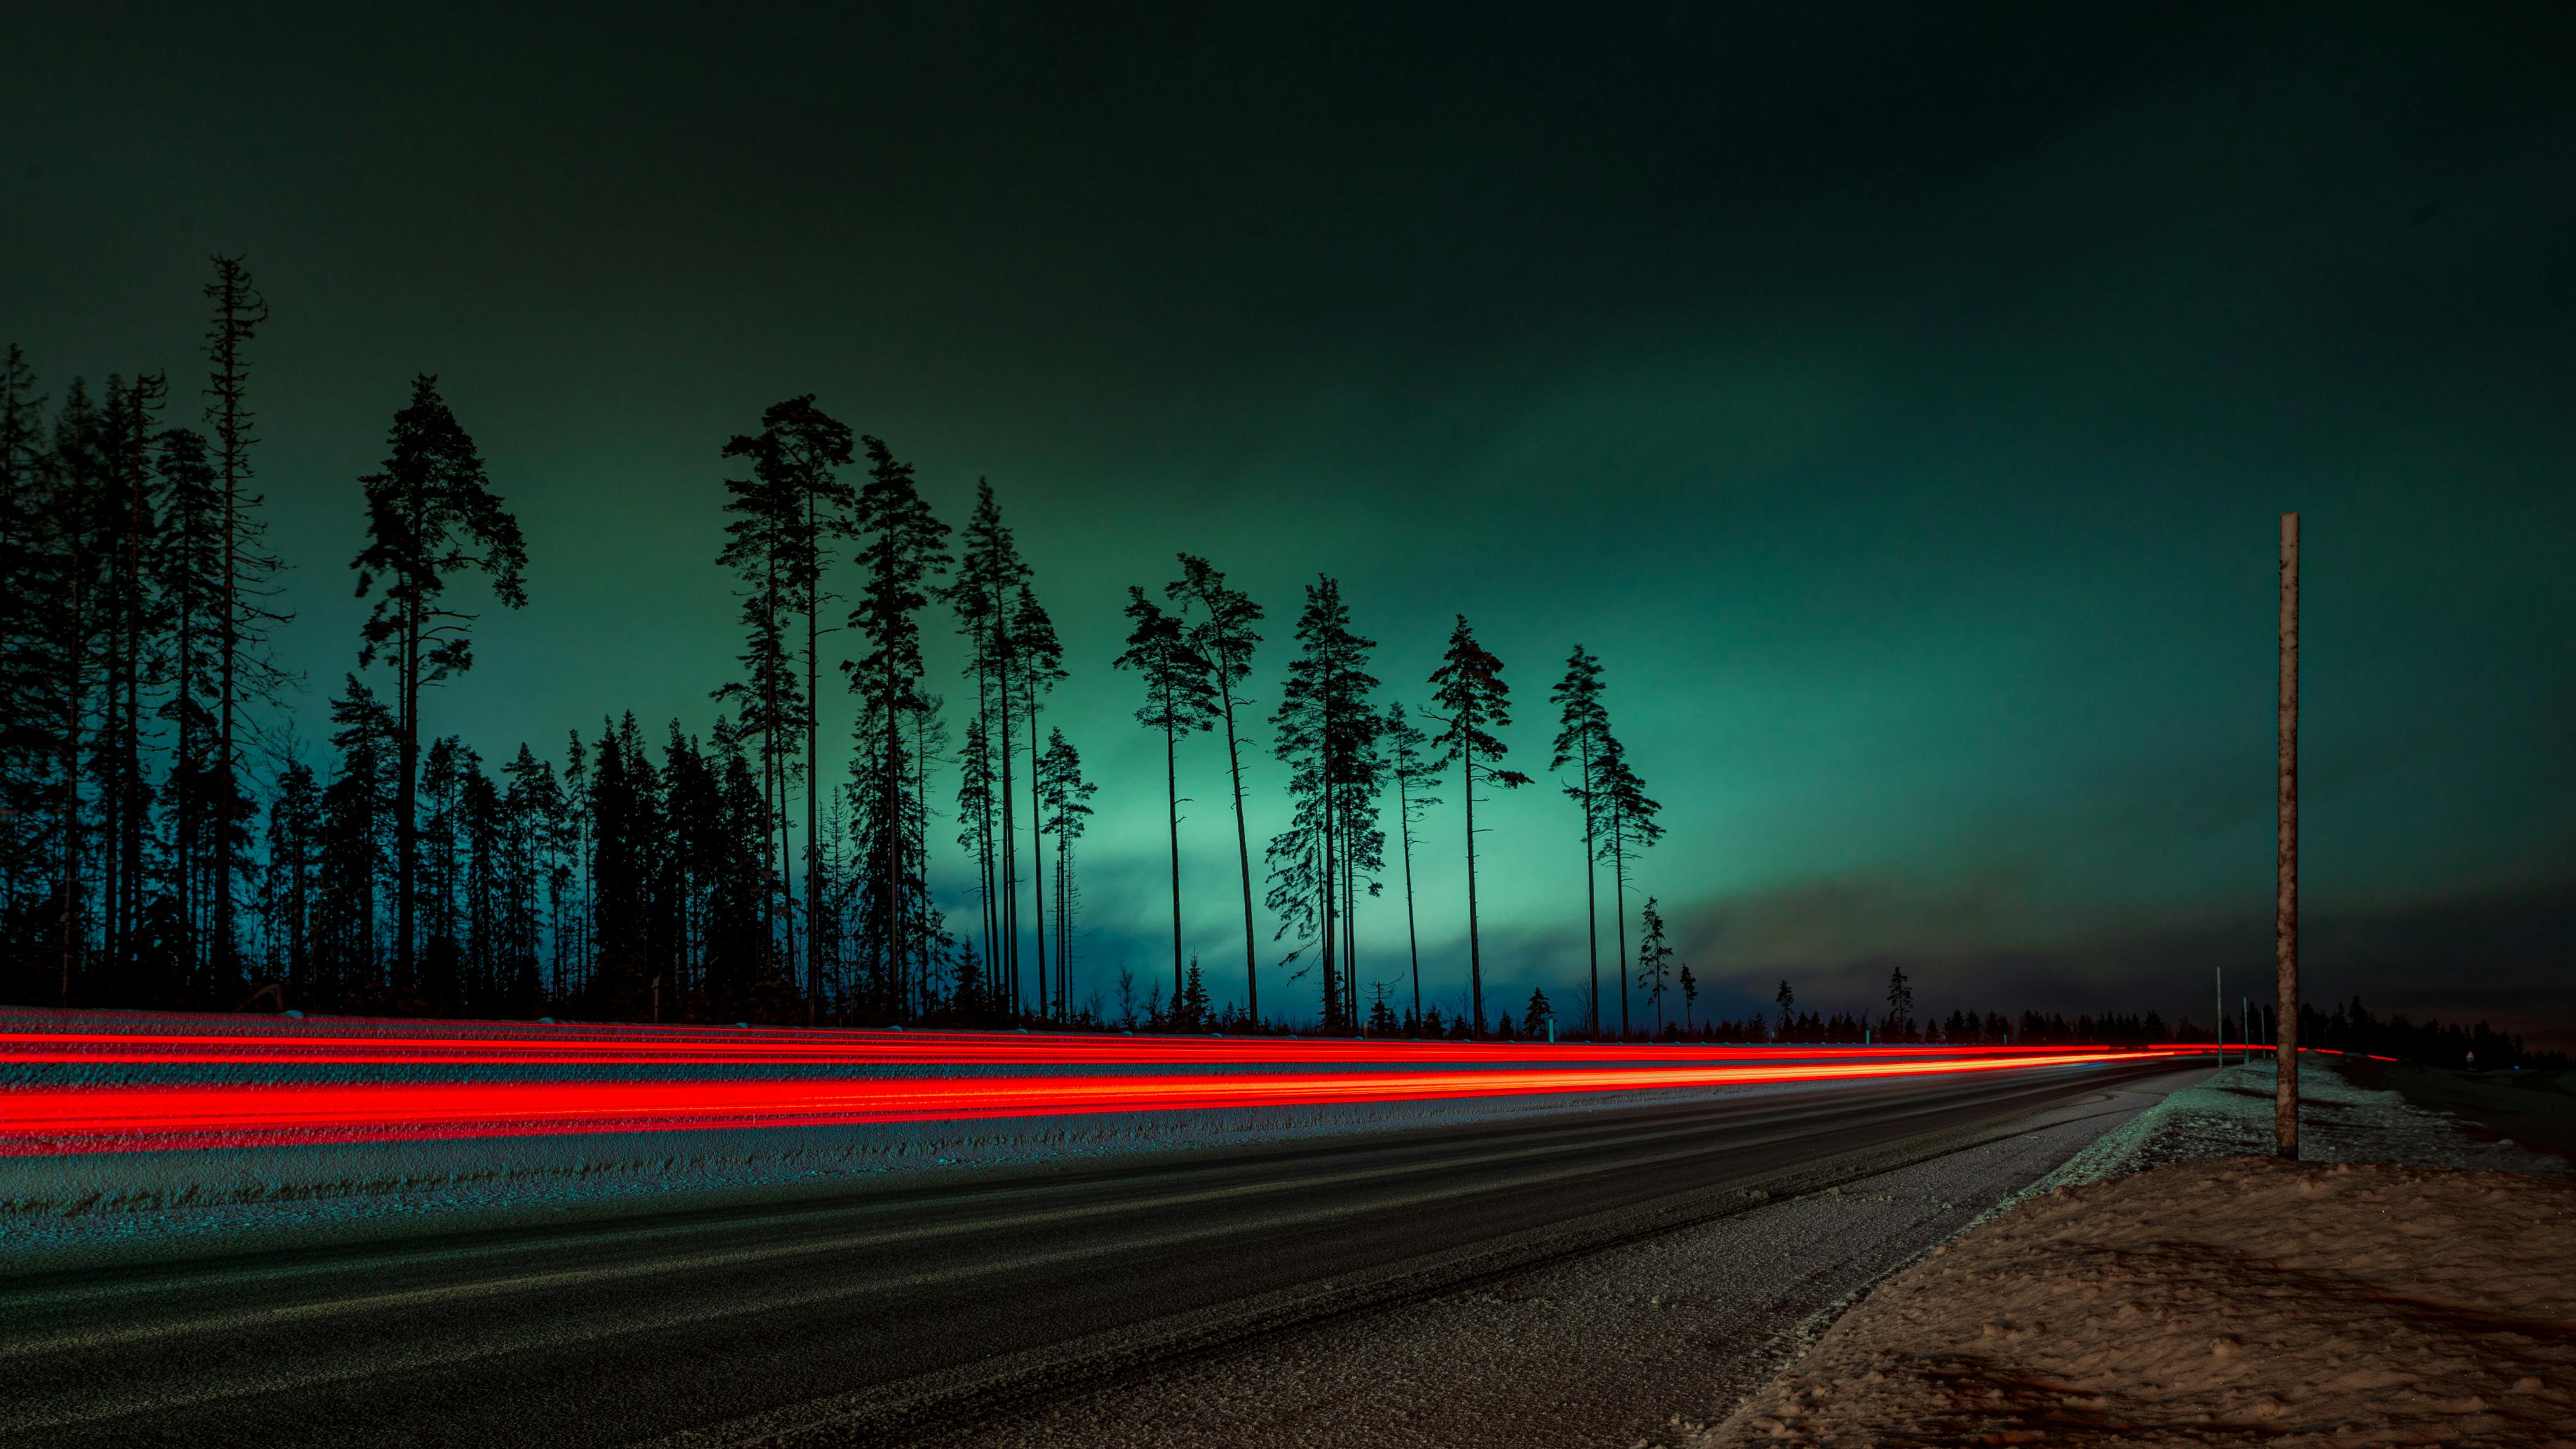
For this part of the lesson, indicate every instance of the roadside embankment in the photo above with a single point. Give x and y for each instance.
(2198, 1296)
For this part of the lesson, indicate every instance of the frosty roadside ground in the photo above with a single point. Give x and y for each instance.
(2174, 1284)
(2231, 1113)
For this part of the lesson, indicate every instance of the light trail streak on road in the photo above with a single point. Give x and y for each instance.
(380, 1082)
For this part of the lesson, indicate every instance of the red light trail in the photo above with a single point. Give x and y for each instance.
(165, 1098)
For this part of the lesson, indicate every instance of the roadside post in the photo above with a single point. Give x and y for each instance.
(2285, 909)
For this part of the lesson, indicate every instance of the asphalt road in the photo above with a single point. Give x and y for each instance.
(888, 1312)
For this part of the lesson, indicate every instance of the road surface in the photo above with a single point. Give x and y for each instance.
(883, 1313)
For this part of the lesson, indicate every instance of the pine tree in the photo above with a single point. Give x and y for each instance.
(1900, 1002)
(431, 515)
(1583, 725)
(804, 503)
(1222, 634)
(901, 549)
(1787, 1001)
(1063, 795)
(25, 738)
(1654, 961)
(244, 616)
(1327, 734)
(1414, 767)
(189, 572)
(1628, 827)
(1038, 666)
(1178, 699)
(1690, 993)
(128, 606)
(980, 590)
(1469, 686)
(975, 818)
(74, 542)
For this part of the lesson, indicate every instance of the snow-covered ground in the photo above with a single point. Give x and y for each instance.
(94, 1204)
(2173, 1284)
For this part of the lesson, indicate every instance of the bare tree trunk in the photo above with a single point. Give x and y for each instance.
(1242, 856)
(1591, 892)
(1037, 851)
(406, 822)
(1412, 937)
(1619, 908)
(2285, 911)
(1008, 969)
(813, 772)
(1172, 817)
(1475, 954)
(74, 688)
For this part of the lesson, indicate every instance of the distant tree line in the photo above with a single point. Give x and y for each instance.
(2348, 1026)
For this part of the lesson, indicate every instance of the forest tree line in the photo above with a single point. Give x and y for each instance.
(163, 844)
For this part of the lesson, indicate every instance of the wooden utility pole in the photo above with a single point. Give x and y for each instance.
(2285, 909)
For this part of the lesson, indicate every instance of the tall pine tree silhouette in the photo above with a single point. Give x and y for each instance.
(1628, 827)
(1326, 732)
(1222, 633)
(1583, 726)
(1469, 687)
(1065, 797)
(1038, 666)
(243, 669)
(1178, 699)
(431, 516)
(1415, 768)
(901, 548)
(980, 590)
(805, 505)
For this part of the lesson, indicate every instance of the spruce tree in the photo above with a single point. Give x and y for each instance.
(1534, 1017)
(1178, 699)
(431, 516)
(1469, 686)
(357, 816)
(1222, 634)
(291, 881)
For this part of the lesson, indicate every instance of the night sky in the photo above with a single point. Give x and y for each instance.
(1899, 399)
